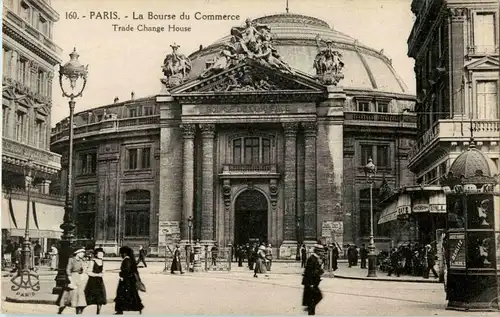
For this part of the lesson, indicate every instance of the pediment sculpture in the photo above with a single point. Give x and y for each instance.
(253, 41)
(328, 63)
(175, 67)
(245, 81)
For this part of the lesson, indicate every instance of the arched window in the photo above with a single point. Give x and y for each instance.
(252, 150)
(137, 210)
(85, 218)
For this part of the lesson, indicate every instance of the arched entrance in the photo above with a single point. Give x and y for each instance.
(250, 209)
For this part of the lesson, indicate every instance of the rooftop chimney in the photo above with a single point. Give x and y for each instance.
(132, 95)
(116, 100)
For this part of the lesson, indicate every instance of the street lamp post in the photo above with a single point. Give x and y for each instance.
(190, 228)
(26, 263)
(72, 72)
(370, 170)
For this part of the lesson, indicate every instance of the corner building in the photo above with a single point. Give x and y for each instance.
(28, 166)
(249, 152)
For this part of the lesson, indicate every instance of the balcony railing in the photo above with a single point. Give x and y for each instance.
(35, 195)
(13, 148)
(452, 129)
(106, 125)
(379, 117)
(29, 29)
(249, 169)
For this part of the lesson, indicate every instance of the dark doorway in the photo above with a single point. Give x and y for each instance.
(250, 223)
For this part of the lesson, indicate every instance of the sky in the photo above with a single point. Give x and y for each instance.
(122, 62)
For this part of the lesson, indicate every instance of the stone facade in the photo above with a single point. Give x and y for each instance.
(249, 150)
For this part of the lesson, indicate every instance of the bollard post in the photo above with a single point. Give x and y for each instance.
(188, 256)
(165, 268)
(330, 260)
(230, 258)
(206, 257)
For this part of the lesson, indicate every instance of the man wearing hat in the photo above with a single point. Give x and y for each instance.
(311, 279)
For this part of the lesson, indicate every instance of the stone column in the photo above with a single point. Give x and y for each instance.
(310, 212)
(290, 183)
(207, 204)
(457, 48)
(45, 186)
(187, 178)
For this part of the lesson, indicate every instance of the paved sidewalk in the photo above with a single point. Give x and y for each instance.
(357, 273)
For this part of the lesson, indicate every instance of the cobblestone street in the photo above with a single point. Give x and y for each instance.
(280, 294)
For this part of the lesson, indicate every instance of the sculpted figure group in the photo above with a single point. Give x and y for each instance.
(251, 41)
(175, 67)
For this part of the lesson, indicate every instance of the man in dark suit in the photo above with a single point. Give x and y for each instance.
(311, 279)
(142, 256)
(363, 252)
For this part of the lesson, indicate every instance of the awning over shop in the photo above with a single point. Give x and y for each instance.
(400, 207)
(48, 218)
(433, 201)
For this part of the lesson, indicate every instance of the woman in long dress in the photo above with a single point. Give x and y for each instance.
(53, 258)
(95, 292)
(260, 263)
(73, 294)
(127, 295)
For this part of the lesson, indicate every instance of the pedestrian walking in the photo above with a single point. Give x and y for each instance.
(395, 263)
(335, 257)
(260, 262)
(95, 292)
(54, 258)
(303, 256)
(269, 257)
(241, 255)
(311, 279)
(17, 258)
(176, 261)
(430, 262)
(142, 256)
(363, 252)
(73, 294)
(215, 254)
(127, 294)
(37, 249)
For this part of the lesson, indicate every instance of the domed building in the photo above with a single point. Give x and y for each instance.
(261, 136)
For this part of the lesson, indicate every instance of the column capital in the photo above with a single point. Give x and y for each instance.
(458, 14)
(188, 130)
(290, 128)
(310, 128)
(207, 130)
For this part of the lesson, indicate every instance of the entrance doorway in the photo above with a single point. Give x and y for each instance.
(250, 221)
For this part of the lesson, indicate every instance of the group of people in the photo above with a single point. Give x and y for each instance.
(85, 285)
(12, 255)
(259, 257)
(415, 260)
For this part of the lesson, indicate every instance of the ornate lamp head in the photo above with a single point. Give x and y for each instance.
(73, 71)
(370, 168)
(190, 221)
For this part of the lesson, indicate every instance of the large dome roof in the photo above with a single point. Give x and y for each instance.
(295, 35)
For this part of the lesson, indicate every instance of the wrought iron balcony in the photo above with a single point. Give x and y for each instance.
(363, 118)
(249, 170)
